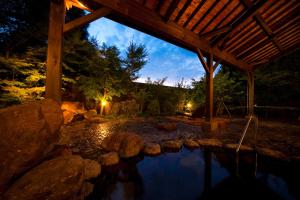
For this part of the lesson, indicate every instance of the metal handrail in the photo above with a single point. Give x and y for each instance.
(244, 133)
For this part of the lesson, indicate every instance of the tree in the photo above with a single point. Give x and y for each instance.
(136, 58)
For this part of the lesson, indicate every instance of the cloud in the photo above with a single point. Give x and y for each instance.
(165, 59)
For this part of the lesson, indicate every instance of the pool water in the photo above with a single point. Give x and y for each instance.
(199, 174)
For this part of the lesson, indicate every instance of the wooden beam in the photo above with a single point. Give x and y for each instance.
(205, 14)
(201, 58)
(101, 12)
(194, 13)
(171, 9)
(210, 89)
(54, 52)
(70, 3)
(248, 13)
(263, 25)
(133, 14)
(186, 5)
(216, 64)
(215, 32)
(250, 90)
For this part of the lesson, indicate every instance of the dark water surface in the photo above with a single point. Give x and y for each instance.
(199, 174)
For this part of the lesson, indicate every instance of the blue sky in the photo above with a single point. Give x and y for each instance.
(164, 59)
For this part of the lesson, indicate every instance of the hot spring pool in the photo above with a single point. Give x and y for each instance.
(199, 174)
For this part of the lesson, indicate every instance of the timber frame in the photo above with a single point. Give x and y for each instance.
(244, 34)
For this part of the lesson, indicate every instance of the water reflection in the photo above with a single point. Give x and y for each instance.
(198, 174)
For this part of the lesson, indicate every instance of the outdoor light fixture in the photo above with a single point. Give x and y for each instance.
(189, 105)
(103, 103)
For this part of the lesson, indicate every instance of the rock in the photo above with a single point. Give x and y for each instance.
(89, 115)
(210, 143)
(68, 116)
(131, 146)
(172, 145)
(113, 142)
(59, 150)
(271, 153)
(92, 169)
(61, 178)
(72, 106)
(28, 133)
(97, 119)
(126, 144)
(233, 147)
(109, 159)
(71, 110)
(152, 149)
(167, 126)
(87, 189)
(190, 143)
(52, 114)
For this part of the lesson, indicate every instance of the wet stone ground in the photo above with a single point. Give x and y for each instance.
(85, 137)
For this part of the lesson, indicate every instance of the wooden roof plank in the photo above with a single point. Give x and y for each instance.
(194, 13)
(171, 9)
(248, 13)
(205, 14)
(216, 15)
(263, 25)
(186, 5)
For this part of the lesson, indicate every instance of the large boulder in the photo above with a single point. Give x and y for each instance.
(27, 133)
(62, 178)
(126, 144)
(72, 110)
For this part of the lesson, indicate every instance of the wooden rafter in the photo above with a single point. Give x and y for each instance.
(171, 9)
(216, 15)
(194, 13)
(205, 14)
(101, 12)
(263, 25)
(186, 5)
(248, 13)
(149, 21)
(227, 15)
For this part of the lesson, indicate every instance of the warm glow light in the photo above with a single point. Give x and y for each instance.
(103, 103)
(189, 105)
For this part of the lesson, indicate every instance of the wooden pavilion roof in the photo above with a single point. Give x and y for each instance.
(241, 33)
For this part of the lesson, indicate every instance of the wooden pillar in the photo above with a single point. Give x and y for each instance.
(54, 53)
(250, 90)
(209, 88)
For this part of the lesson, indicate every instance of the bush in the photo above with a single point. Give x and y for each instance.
(153, 108)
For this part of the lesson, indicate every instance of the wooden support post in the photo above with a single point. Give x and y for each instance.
(209, 88)
(54, 53)
(250, 91)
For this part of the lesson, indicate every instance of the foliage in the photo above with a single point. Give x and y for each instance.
(22, 78)
(105, 76)
(153, 108)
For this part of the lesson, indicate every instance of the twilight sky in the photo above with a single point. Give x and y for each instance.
(165, 59)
